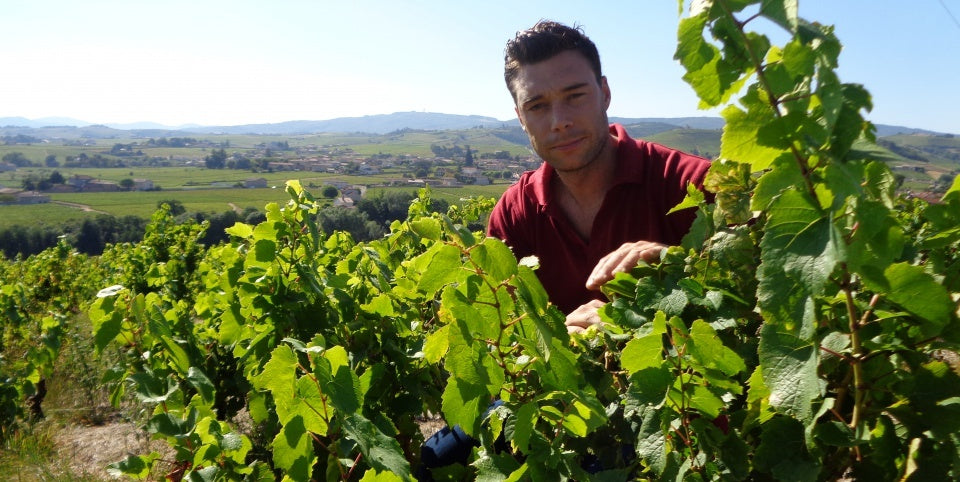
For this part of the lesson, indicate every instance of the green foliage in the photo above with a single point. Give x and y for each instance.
(39, 296)
(805, 330)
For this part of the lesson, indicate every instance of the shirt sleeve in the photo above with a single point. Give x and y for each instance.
(509, 224)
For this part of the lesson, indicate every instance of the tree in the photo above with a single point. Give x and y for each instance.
(17, 159)
(329, 191)
(421, 168)
(56, 178)
(468, 157)
(51, 161)
(90, 238)
(127, 183)
(349, 220)
(216, 160)
(176, 207)
(386, 207)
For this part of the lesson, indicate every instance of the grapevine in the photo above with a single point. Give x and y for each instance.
(806, 328)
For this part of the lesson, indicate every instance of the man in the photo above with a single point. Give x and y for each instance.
(599, 202)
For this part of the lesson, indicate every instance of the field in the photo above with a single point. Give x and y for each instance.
(71, 206)
(920, 159)
(167, 178)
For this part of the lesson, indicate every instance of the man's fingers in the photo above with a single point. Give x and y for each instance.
(623, 259)
(584, 316)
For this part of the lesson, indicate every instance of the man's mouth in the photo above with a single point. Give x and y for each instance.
(567, 145)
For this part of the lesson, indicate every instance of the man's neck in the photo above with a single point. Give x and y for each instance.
(581, 192)
(592, 180)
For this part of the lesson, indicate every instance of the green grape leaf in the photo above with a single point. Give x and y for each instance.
(495, 259)
(711, 76)
(783, 454)
(649, 387)
(526, 420)
(263, 254)
(279, 374)
(233, 441)
(651, 440)
(463, 403)
(150, 388)
(783, 12)
(642, 353)
(953, 193)
(436, 344)
(440, 265)
(381, 451)
(702, 400)
(784, 174)
(201, 383)
(799, 252)
(338, 381)
(308, 404)
(107, 321)
(429, 228)
(240, 230)
(494, 467)
(133, 466)
(561, 371)
(693, 198)
(789, 365)
(171, 425)
(381, 305)
(705, 347)
(916, 291)
(742, 135)
(293, 450)
(758, 399)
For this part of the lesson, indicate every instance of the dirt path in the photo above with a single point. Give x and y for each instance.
(90, 450)
(82, 207)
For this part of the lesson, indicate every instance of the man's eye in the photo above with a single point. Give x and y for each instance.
(535, 107)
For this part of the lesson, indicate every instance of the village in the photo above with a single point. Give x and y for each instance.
(383, 170)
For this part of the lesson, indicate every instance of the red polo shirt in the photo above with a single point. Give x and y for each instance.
(650, 180)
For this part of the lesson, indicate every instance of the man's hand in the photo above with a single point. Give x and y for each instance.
(584, 317)
(623, 259)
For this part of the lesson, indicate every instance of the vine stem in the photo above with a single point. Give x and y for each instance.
(774, 100)
(857, 356)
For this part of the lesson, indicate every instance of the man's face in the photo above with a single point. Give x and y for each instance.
(564, 110)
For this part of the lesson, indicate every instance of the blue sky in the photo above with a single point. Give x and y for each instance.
(237, 62)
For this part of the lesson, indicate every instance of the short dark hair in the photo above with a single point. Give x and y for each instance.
(543, 41)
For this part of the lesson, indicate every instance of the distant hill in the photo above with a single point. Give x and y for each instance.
(58, 127)
(373, 124)
(43, 122)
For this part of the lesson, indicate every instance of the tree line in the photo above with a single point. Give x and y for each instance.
(370, 219)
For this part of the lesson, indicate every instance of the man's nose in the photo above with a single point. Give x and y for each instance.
(561, 117)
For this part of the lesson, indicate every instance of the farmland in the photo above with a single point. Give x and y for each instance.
(404, 159)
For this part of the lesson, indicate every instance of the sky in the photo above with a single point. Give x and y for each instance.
(213, 62)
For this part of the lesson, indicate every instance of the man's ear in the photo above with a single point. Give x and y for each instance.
(605, 88)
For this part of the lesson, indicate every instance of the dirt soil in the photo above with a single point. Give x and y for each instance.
(88, 450)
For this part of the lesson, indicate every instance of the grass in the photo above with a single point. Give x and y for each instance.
(49, 214)
(31, 454)
(144, 204)
(705, 142)
(76, 401)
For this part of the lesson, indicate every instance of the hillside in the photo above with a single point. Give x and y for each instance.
(921, 157)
